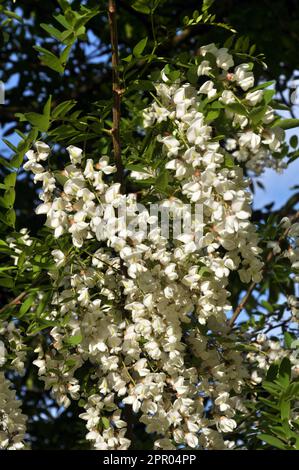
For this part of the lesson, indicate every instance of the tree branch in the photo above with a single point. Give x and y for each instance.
(117, 92)
(13, 302)
(269, 258)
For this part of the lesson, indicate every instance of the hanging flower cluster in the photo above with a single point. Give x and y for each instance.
(146, 316)
(12, 421)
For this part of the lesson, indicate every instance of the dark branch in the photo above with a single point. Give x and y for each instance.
(117, 92)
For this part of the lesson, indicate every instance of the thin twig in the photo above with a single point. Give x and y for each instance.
(269, 258)
(17, 300)
(117, 92)
(242, 304)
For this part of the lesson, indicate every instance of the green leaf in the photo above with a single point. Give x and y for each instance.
(10, 180)
(10, 218)
(47, 107)
(10, 145)
(6, 282)
(74, 340)
(13, 15)
(62, 20)
(162, 181)
(206, 5)
(9, 197)
(263, 85)
(40, 121)
(63, 108)
(173, 75)
(54, 32)
(285, 368)
(229, 161)
(35, 327)
(268, 95)
(106, 422)
(42, 304)
(49, 60)
(141, 6)
(257, 114)
(287, 123)
(65, 55)
(285, 409)
(288, 339)
(272, 372)
(294, 141)
(238, 108)
(273, 441)
(139, 48)
(272, 388)
(192, 76)
(267, 306)
(204, 270)
(23, 147)
(141, 85)
(292, 392)
(26, 305)
(212, 115)
(128, 58)
(284, 373)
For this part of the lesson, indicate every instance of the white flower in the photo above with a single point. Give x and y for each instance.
(204, 68)
(209, 48)
(79, 232)
(269, 115)
(254, 97)
(143, 175)
(223, 401)
(198, 132)
(43, 208)
(208, 89)
(226, 424)
(191, 440)
(244, 77)
(250, 140)
(112, 194)
(13, 422)
(224, 60)
(171, 144)
(227, 97)
(75, 154)
(104, 166)
(275, 247)
(273, 138)
(183, 98)
(59, 258)
(31, 165)
(230, 144)
(43, 150)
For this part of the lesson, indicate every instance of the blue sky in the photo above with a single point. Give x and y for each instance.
(278, 185)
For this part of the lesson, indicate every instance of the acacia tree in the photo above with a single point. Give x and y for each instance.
(151, 341)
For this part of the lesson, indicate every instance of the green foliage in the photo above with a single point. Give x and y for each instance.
(277, 405)
(206, 18)
(73, 24)
(41, 122)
